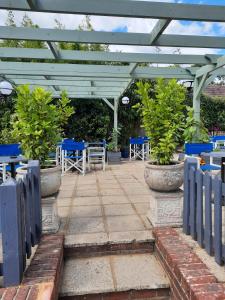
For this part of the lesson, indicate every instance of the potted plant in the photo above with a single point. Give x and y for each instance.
(37, 125)
(113, 153)
(163, 120)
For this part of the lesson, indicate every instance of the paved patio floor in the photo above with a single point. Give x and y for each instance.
(105, 206)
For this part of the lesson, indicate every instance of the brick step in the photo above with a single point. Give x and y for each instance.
(131, 276)
(101, 244)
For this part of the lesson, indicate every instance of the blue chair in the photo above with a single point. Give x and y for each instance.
(9, 150)
(197, 149)
(74, 156)
(139, 148)
(218, 141)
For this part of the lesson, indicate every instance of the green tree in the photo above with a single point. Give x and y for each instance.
(162, 117)
(38, 122)
(91, 121)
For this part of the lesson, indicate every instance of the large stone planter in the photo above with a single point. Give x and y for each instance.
(166, 209)
(50, 179)
(164, 178)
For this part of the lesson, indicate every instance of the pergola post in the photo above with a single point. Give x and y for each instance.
(115, 121)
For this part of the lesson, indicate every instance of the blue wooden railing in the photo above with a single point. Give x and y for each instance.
(204, 195)
(20, 207)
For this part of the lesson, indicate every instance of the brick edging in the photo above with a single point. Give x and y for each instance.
(42, 277)
(190, 278)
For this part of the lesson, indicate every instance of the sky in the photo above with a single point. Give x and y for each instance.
(116, 24)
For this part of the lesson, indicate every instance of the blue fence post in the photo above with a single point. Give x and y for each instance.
(207, 181)
(27, 215)
(12, 238)
(217, 188)
(199, 215)
(34, 169)
(189, 163)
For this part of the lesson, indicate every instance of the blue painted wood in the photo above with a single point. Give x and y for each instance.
(20, 206)
(22, 222)
(208, 214)
(189, 162)
(193, 203)
(217, 189)
(32, 206)
(199, 213)
(11, 233)
(27, 215)
(34, 166)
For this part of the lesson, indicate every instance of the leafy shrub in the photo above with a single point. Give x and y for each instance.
(38, 121)
(195, 131)
(162, 117)
(112, 145)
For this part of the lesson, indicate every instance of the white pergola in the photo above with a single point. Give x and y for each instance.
(107, 81)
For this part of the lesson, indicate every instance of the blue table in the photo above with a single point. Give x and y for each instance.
(12, 161)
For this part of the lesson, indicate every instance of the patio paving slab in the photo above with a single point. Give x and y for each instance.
(110, 202)
(138, 272)
(124, 223)
(65, 193)
(86, 211)
(87, 193)
(85, 225)
(79, 201)
(113, 273)
(119, 210)
(112, 192)
(87, 276)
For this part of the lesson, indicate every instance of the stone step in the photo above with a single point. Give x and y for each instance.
(131, 276)
(100, 244)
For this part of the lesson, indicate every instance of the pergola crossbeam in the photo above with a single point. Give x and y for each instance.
(114, 38)
(99, 56)
(124, 8)
(54, 49)
(158, 29)
(108, 103)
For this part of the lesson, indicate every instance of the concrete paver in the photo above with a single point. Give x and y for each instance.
(138, 272)
(87, 275)
(110, 202)
(114, 273)
(85, 225)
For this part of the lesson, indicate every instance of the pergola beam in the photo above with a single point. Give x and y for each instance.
(84, 96)
(158, 29)
(99, 56)
(117, 38)
(93, 71)
(108, 103)
(68, 84)
(54, 49)
(124, 8)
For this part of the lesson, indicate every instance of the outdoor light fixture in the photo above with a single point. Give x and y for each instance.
(188, 84)
(5, 88)
(125, 100)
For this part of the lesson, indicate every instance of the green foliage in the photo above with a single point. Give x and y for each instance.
(213, 112)
(38, 122)
(162, 116)
(112, 145)
(91, 121)
(6, 112)
(194, 131)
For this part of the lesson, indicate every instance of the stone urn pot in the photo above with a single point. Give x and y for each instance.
(164, 178)
(50, 179)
